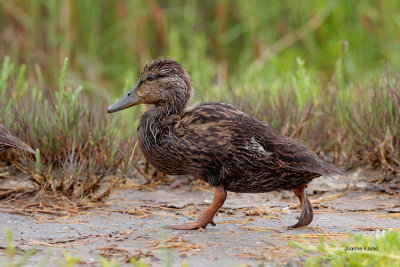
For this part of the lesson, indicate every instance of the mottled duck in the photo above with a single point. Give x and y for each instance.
(217, 143)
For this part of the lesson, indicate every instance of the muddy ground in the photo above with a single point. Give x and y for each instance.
(251, 228)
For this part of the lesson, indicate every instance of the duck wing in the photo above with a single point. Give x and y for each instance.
(220, 131)
(293, 154)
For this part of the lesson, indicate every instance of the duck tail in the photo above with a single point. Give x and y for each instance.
(7, 141)
(329, 170)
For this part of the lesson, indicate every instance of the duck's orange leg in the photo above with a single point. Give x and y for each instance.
(207, 216)
(306, 215)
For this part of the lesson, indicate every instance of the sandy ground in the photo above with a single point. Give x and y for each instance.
(251, 228)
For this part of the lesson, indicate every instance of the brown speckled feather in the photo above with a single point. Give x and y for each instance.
(7, 140)
(222, 145)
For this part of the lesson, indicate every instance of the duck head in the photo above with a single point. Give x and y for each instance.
(163, 83)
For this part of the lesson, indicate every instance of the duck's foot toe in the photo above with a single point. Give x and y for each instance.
(190, 225)
(306, 215)
(301, 222)
(206, 217)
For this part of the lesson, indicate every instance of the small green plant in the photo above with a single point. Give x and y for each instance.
(69, 260)
(305, 90)
(139, 263)
(38, 164)
(383, 249)
(11, 252)
(108, 263)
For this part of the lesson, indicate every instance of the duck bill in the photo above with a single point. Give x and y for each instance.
(130, 99)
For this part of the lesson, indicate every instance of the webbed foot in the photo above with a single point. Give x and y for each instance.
(207, 216)
(191, 225)
(306, 215)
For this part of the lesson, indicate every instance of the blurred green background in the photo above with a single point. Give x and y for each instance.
(221, 42)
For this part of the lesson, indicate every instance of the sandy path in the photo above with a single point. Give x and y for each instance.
(128, 224)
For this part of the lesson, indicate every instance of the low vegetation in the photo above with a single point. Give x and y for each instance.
(383, 249)
(77, 144)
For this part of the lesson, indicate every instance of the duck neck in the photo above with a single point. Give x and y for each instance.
(167, 109)
(159, 119)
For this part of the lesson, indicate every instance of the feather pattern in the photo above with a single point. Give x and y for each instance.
(224, 146)
(215, 142)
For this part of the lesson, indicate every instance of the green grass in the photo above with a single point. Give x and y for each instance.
(254, 43)
(383, 249)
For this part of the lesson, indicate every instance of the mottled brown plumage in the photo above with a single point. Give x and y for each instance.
(216, 142)
(7, 140)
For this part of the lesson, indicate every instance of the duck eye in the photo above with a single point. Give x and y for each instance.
(150, 77)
